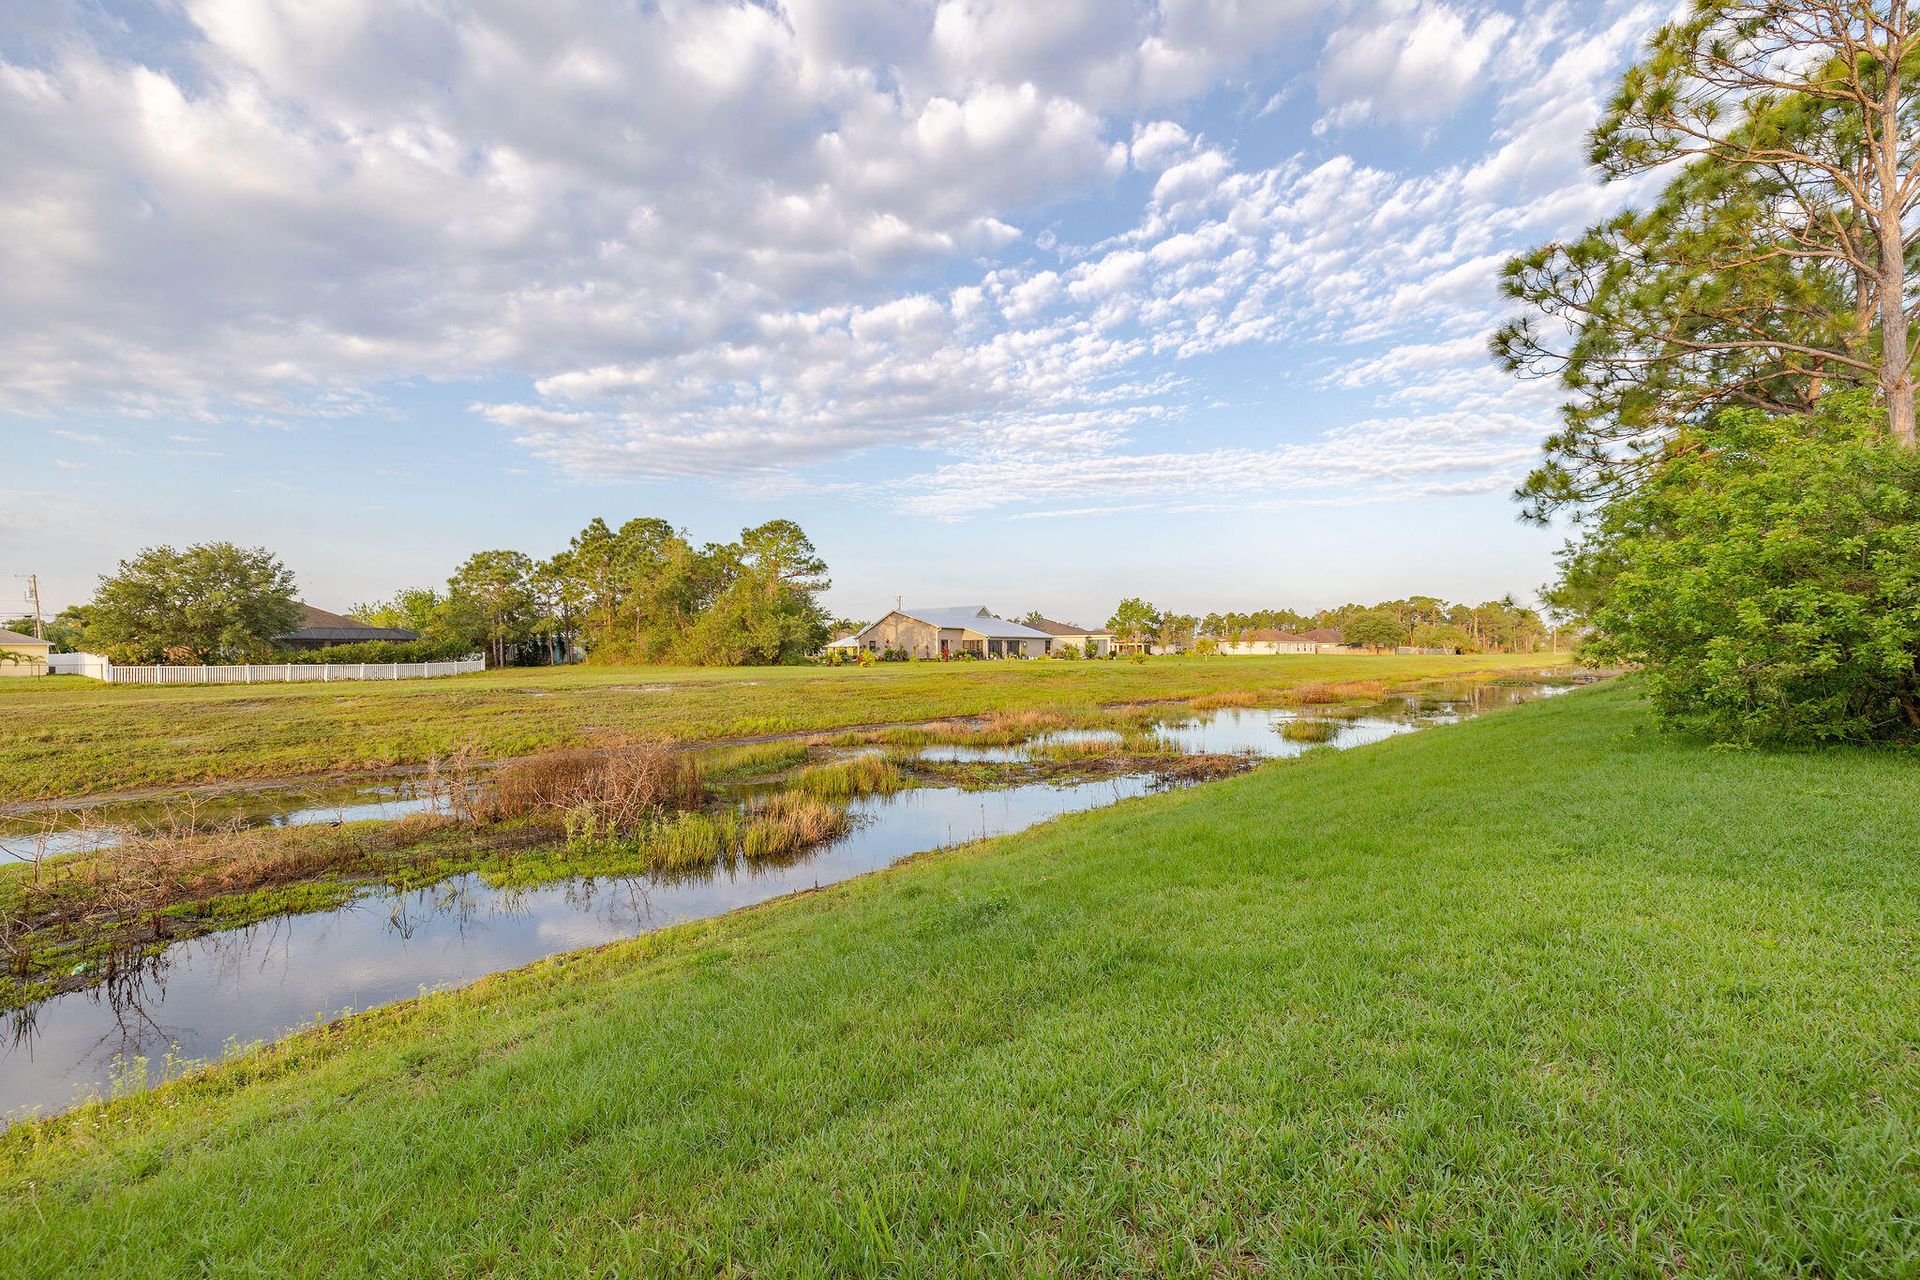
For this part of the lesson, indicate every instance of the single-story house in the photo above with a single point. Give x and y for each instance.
(950, 632)
(1327, 640)
(1092, 643)
(22, 655)
(1264, 640)
(322, 630)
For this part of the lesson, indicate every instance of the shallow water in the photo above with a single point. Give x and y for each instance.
(257, 983)
(204, 995)
(52, 832)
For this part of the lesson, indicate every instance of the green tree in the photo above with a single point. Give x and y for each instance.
(1772, 268)
(1374, 628)
(212, 602)
(1134, 621)
(497, 586)
(1770, 585)
(412, 609)
(1441, 635)
(1176, 630)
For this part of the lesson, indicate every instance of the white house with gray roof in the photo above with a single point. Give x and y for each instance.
(952, 631)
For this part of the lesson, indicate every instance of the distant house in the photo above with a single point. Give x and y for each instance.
(1265, 640)
(322, 630)
(1094, 644)
(22, 655)
(949, 632)
(1327, 640)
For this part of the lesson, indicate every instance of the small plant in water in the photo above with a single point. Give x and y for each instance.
(860, 776)
(789, 823)
(1309, 730)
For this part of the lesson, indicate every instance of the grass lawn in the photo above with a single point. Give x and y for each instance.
(1540, 994)
(68, 736)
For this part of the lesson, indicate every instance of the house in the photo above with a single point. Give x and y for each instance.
(1265, 640)
(1327, 640)
(1093, 644)
(322, 630)
(950, 632)
(22, 655)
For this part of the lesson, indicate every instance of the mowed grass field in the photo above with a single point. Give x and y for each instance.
(68, 736)
(1541, 994)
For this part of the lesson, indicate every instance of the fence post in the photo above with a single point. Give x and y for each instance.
(326, 672)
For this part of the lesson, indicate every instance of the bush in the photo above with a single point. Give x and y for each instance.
(1768, 579)
(381, 651)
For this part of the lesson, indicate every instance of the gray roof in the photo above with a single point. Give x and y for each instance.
(975, 618)
(14, 637)
(323, 625)
(1053, 628)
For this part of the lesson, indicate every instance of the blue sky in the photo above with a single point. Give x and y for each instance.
(1035, 305)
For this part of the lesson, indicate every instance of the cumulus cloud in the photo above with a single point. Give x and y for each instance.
(1410, 60)
(744, 240)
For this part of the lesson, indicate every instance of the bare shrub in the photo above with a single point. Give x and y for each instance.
(605, 791)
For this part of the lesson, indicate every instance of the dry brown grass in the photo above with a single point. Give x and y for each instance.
(618, 791)
(1345, 691)
(1239, 698)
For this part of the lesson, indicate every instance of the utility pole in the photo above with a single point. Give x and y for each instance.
(33, 587)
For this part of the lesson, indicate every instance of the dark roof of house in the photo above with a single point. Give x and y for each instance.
(1053, 628)
(14, 637)
(1323, 635)
(318, 624)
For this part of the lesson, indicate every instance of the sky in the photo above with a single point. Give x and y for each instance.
(1030, 305)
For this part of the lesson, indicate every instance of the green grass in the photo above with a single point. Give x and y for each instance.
(66, 736)
(1541, 994)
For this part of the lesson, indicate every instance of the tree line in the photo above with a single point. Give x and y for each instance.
(1737, 449)
(641, 593)
(1427, 622)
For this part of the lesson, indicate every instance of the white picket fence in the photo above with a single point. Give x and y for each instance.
(95, 667)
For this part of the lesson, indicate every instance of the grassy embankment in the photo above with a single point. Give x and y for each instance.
(1540, 994)
(66, 736)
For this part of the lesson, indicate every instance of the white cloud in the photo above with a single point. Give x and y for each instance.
(739, 240)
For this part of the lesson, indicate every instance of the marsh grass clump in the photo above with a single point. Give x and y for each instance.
(1241, 699)
(1068, 750)
(790, 823)
(691, 841)
(594, 791)
(1310, 730)
(1345, 691)
(848, 779)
